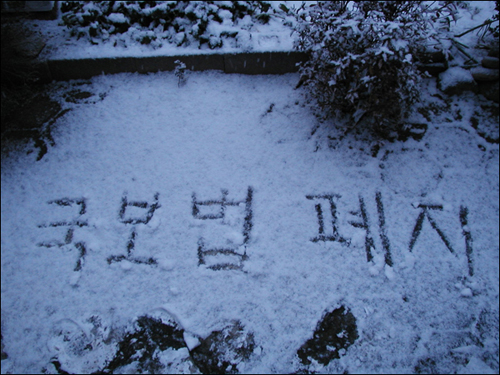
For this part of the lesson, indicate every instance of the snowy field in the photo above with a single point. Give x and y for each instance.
(212, 203)
(219, 212)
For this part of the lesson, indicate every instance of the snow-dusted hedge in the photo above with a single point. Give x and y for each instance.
(182, 23)
(363, 57)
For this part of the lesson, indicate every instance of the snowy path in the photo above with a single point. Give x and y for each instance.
(208, 201)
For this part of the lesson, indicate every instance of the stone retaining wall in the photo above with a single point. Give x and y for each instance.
(483, 79)
(243, 63)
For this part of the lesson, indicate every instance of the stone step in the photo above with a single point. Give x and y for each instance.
(484, 74)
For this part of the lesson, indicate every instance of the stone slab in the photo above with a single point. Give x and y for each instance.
(484, 74)
(490, 62)
(456, 80)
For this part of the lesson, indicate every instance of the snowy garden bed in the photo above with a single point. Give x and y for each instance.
(214, 223)
(209, 208)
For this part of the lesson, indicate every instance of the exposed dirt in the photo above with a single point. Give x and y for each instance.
(333, 335)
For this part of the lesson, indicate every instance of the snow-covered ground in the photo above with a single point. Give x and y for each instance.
(225, 137)
(211, 203)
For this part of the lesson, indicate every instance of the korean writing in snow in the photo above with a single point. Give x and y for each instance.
(228, 224)
(235, 215)
(71, 225)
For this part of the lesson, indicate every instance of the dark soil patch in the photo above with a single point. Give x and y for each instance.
(222, 351)
(485, 121)
(4, 355)
(32, 119)
(26, 109)
(142, 345)
(426, 366)
(32, 114)
(333, 335)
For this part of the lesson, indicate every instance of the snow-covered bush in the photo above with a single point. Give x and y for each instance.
(182, 23)
(362, 58)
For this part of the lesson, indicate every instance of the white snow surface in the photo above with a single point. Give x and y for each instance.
(218, 132)
(230, 136)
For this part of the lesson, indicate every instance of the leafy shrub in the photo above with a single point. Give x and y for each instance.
(181, 23)
(362, 58)
(494, 26)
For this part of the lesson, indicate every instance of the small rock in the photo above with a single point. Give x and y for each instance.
(484, 74)
(490, 62)
(456, 80)
(467, 292)
(126, 265)
(191, 340)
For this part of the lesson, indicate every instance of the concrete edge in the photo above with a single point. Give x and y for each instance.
(242, 63)
(263, 62)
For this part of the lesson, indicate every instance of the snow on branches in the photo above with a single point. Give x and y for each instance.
(362, 56)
